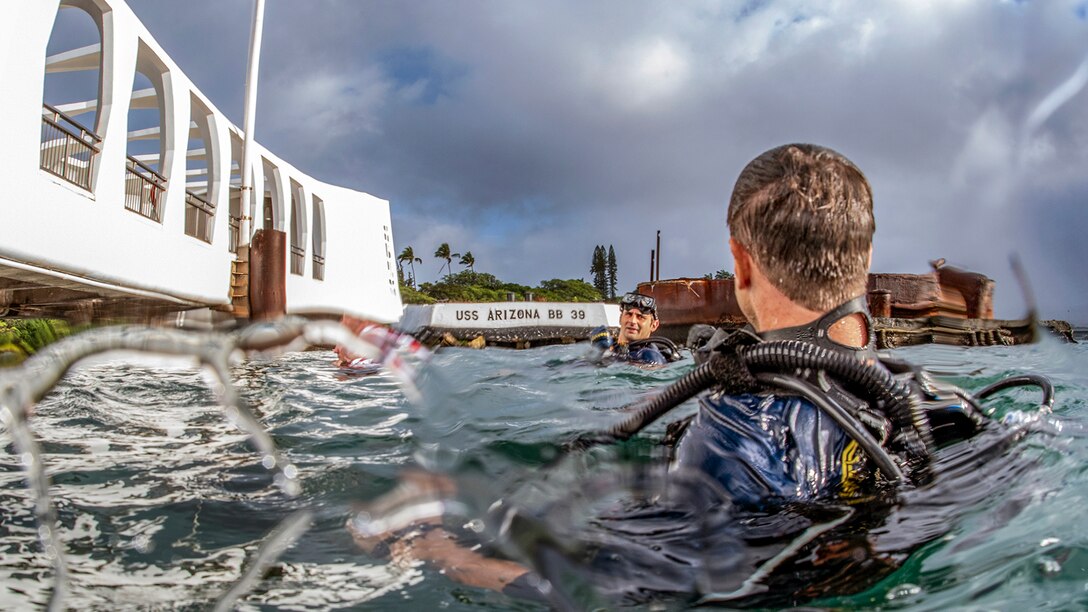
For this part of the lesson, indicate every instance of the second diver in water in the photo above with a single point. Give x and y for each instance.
(635, 342)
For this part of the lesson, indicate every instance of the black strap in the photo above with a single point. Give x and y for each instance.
(817, 331)
(667, 347)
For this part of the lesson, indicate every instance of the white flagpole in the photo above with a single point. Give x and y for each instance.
(249, 119)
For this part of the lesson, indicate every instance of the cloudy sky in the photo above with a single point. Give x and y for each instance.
(529, 132)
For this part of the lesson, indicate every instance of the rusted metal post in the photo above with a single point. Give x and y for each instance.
(880, 303)
(267, 275)
(657, 272)
(652, 255)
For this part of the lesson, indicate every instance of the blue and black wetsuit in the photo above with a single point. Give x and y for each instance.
(648, 354)
(764, 449)
(779, 447)
(654, 350)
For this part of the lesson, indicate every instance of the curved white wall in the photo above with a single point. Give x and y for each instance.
(54, 225)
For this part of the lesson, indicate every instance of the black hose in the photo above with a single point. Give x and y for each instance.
(785, 355)
(893, 395)
(689, 385)
(849, 424)
(875, 382)
(1021, 380)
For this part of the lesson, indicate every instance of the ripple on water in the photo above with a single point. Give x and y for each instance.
(161, 500)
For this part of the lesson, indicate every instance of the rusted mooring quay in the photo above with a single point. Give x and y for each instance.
(946, 306)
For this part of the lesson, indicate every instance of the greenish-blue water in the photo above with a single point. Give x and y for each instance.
(161, 500)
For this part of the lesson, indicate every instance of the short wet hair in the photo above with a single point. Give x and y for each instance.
(805, 215)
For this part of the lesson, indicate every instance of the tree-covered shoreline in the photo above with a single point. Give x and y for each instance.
(472, 286)
(469, 286)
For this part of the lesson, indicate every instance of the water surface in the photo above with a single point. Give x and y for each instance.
(161, 500)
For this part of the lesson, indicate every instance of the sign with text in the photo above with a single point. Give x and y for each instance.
(505, 315)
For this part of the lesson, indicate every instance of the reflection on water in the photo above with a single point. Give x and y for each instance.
(161, 502)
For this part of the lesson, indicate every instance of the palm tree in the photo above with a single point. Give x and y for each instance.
(468, 260)
(443, 252)
(409, 256)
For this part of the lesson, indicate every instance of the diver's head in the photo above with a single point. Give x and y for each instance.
(638, 317)
(803, 214)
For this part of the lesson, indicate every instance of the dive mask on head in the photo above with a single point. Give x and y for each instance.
(644, 303)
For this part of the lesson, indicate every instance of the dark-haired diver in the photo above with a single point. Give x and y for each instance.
(803, 425)
(635, 342)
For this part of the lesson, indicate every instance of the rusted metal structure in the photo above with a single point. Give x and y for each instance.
(267, 290)
(946, 291)
(683, 302)
(946, 306)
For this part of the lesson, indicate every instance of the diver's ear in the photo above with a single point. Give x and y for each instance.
(742, 264)
(655, 324)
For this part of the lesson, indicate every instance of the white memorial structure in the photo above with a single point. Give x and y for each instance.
(123, 184)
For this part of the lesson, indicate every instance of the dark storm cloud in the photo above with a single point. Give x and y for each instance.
(529, 133)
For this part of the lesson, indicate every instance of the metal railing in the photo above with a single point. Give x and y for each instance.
(144, 189)
(198, 217)
(235, 233)
(68, 148)
(319, 267)
(298, 259)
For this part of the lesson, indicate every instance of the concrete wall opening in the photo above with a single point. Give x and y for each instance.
(298, 229)
(72, 125)
(149, 137)
(319, 238)
(200, 175)
(273, 198)
(235, 198)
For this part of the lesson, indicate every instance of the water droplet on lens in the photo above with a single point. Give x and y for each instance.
(27, 459)
(268, 461)
(142, 544)
(903, 591)
(1049, 566)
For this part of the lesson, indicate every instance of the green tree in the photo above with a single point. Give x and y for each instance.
(409, 256)
(572, 290)
(443, 252)
(409, 295)
(469, 286)
(466, 278)
(599, 270)
(611, 273)
(468, 260)
(720, 275)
